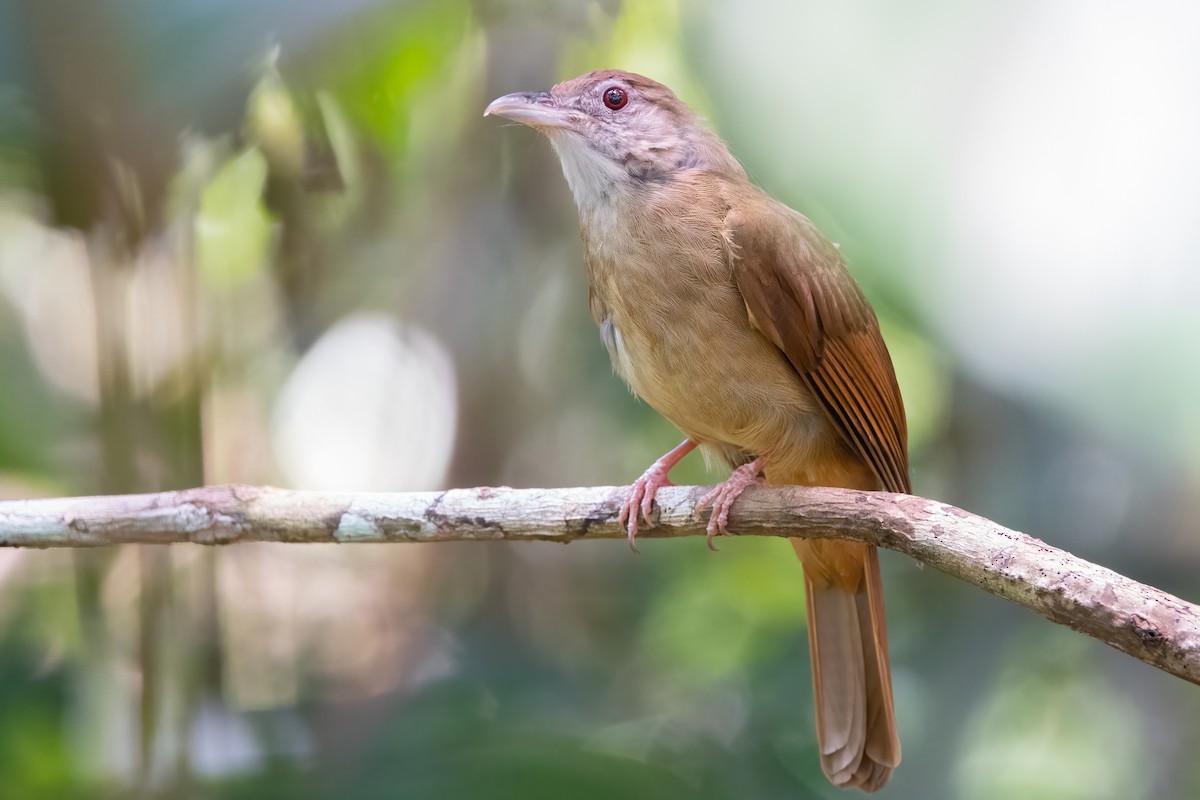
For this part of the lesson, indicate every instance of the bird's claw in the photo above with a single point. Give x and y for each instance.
(640, 501)
(722, 496)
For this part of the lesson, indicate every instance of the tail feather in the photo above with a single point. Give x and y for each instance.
(841, 716)
(852, 686)
(883, 741)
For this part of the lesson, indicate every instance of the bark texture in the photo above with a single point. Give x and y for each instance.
(1144, 622)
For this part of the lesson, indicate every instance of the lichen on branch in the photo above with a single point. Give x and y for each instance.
(1143, 621)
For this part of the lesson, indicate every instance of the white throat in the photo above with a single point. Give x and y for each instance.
(595, 180)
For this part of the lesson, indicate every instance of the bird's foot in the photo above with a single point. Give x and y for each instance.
(723, 495)
(640, 499)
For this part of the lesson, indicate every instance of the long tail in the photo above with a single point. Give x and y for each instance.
(852, 681)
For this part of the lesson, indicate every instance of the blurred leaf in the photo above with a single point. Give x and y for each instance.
(233, 231)
(273, 124)
(385, 65)
(345, 153)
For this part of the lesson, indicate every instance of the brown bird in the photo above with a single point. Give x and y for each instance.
(730, 314)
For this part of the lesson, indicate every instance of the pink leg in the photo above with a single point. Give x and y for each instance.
(641, 493)
(723, 494)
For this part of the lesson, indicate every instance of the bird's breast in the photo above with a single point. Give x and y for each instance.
(676, 329)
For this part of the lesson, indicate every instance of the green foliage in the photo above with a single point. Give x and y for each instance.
(233, 230)
(715, 615)
(36, 750)
(1053, 732)
(387, 76)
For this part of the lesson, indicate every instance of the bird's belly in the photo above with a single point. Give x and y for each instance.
(719, 380)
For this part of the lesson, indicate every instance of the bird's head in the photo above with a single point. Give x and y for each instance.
(612, 126)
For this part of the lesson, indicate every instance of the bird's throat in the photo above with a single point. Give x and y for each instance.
(597, 182)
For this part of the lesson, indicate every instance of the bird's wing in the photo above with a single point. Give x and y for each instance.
(800, 296)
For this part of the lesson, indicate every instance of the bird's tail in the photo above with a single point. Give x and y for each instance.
(852, 681)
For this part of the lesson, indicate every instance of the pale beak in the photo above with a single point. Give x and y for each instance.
(535, 109)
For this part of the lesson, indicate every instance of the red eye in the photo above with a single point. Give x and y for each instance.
(615, 97)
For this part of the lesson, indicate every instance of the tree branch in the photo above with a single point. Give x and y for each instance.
(1140, 620)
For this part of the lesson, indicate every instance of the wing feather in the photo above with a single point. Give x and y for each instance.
(799, 294)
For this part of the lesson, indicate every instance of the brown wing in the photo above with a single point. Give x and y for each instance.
(799, 294)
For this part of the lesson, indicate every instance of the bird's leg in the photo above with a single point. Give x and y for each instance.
(723, 494)
(641, 493)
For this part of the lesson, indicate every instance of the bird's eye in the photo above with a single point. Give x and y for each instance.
(615, 97)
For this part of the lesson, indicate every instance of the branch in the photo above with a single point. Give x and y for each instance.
(1140, 620)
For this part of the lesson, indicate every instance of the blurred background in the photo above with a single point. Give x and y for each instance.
(276, 242)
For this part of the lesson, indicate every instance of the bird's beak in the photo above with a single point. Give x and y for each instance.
(535, 109)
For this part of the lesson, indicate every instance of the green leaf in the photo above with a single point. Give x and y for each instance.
(233, 231)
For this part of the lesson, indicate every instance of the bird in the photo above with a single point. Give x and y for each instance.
(731, 315)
